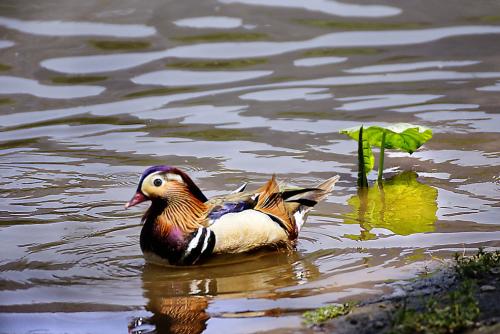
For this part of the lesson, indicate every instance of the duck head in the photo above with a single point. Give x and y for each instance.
(158, 182)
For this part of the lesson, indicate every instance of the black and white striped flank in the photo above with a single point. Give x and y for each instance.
(200, 246)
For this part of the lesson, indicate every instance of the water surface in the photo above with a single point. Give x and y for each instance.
(233, 91)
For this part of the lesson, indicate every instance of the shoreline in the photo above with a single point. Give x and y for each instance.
(460, 297)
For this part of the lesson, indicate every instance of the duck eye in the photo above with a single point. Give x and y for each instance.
(158, 182)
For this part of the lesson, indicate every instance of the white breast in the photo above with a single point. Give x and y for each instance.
(244, 231)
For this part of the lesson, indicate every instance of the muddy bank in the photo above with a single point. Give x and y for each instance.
(461, 297)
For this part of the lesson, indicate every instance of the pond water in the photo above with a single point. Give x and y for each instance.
(232, 91)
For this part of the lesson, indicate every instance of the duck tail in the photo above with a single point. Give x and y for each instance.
(311, 196)
(289, 207)
(301, 201)
(326, 187)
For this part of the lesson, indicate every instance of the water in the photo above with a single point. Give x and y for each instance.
(233, 91)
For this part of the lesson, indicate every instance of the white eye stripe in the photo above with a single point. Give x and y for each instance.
(148, 182)
(174, 177)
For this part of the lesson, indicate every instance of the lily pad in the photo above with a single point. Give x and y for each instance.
(401, 204)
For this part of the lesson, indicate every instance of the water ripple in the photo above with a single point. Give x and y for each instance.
(318, 61)
(492, 88)
(216, 22)
(180, 78)
(5, 44)
(331, 7)
(437, 107)
(16, 85)
(68, 28)
(411, 66)
(382, 101)
(114, 62)
(150, 103)
(308, 94)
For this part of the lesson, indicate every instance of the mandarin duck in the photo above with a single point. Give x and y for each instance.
(183, 227)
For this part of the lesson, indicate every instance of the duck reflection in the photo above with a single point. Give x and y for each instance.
(179, 297)
(182, 315)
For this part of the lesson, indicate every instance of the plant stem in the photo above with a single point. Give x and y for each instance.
(381, 158)
(362, 180)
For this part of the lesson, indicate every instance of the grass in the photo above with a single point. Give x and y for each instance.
(321, 315)
(477, 265)
(455, 312)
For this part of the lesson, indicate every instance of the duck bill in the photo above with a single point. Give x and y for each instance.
(138, 198)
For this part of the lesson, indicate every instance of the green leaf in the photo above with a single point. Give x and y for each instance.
(402, 205)
(402, 136)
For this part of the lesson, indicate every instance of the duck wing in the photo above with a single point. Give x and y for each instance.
(233, 203)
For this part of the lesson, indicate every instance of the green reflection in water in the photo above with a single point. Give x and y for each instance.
(6, 100)
(222, 37)
(305, 114)
(159, 91)
(395, 59)
(281, 79)
(79, 120)
(331, 24)
(218, 63)
(401, 204)
(119, 45)
(4, 67)
(341, 52)
(488, 19)
(77, 79)
(213, 134)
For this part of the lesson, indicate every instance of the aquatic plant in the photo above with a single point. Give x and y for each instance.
(401, 136)
(476, 265)
(320, 315)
